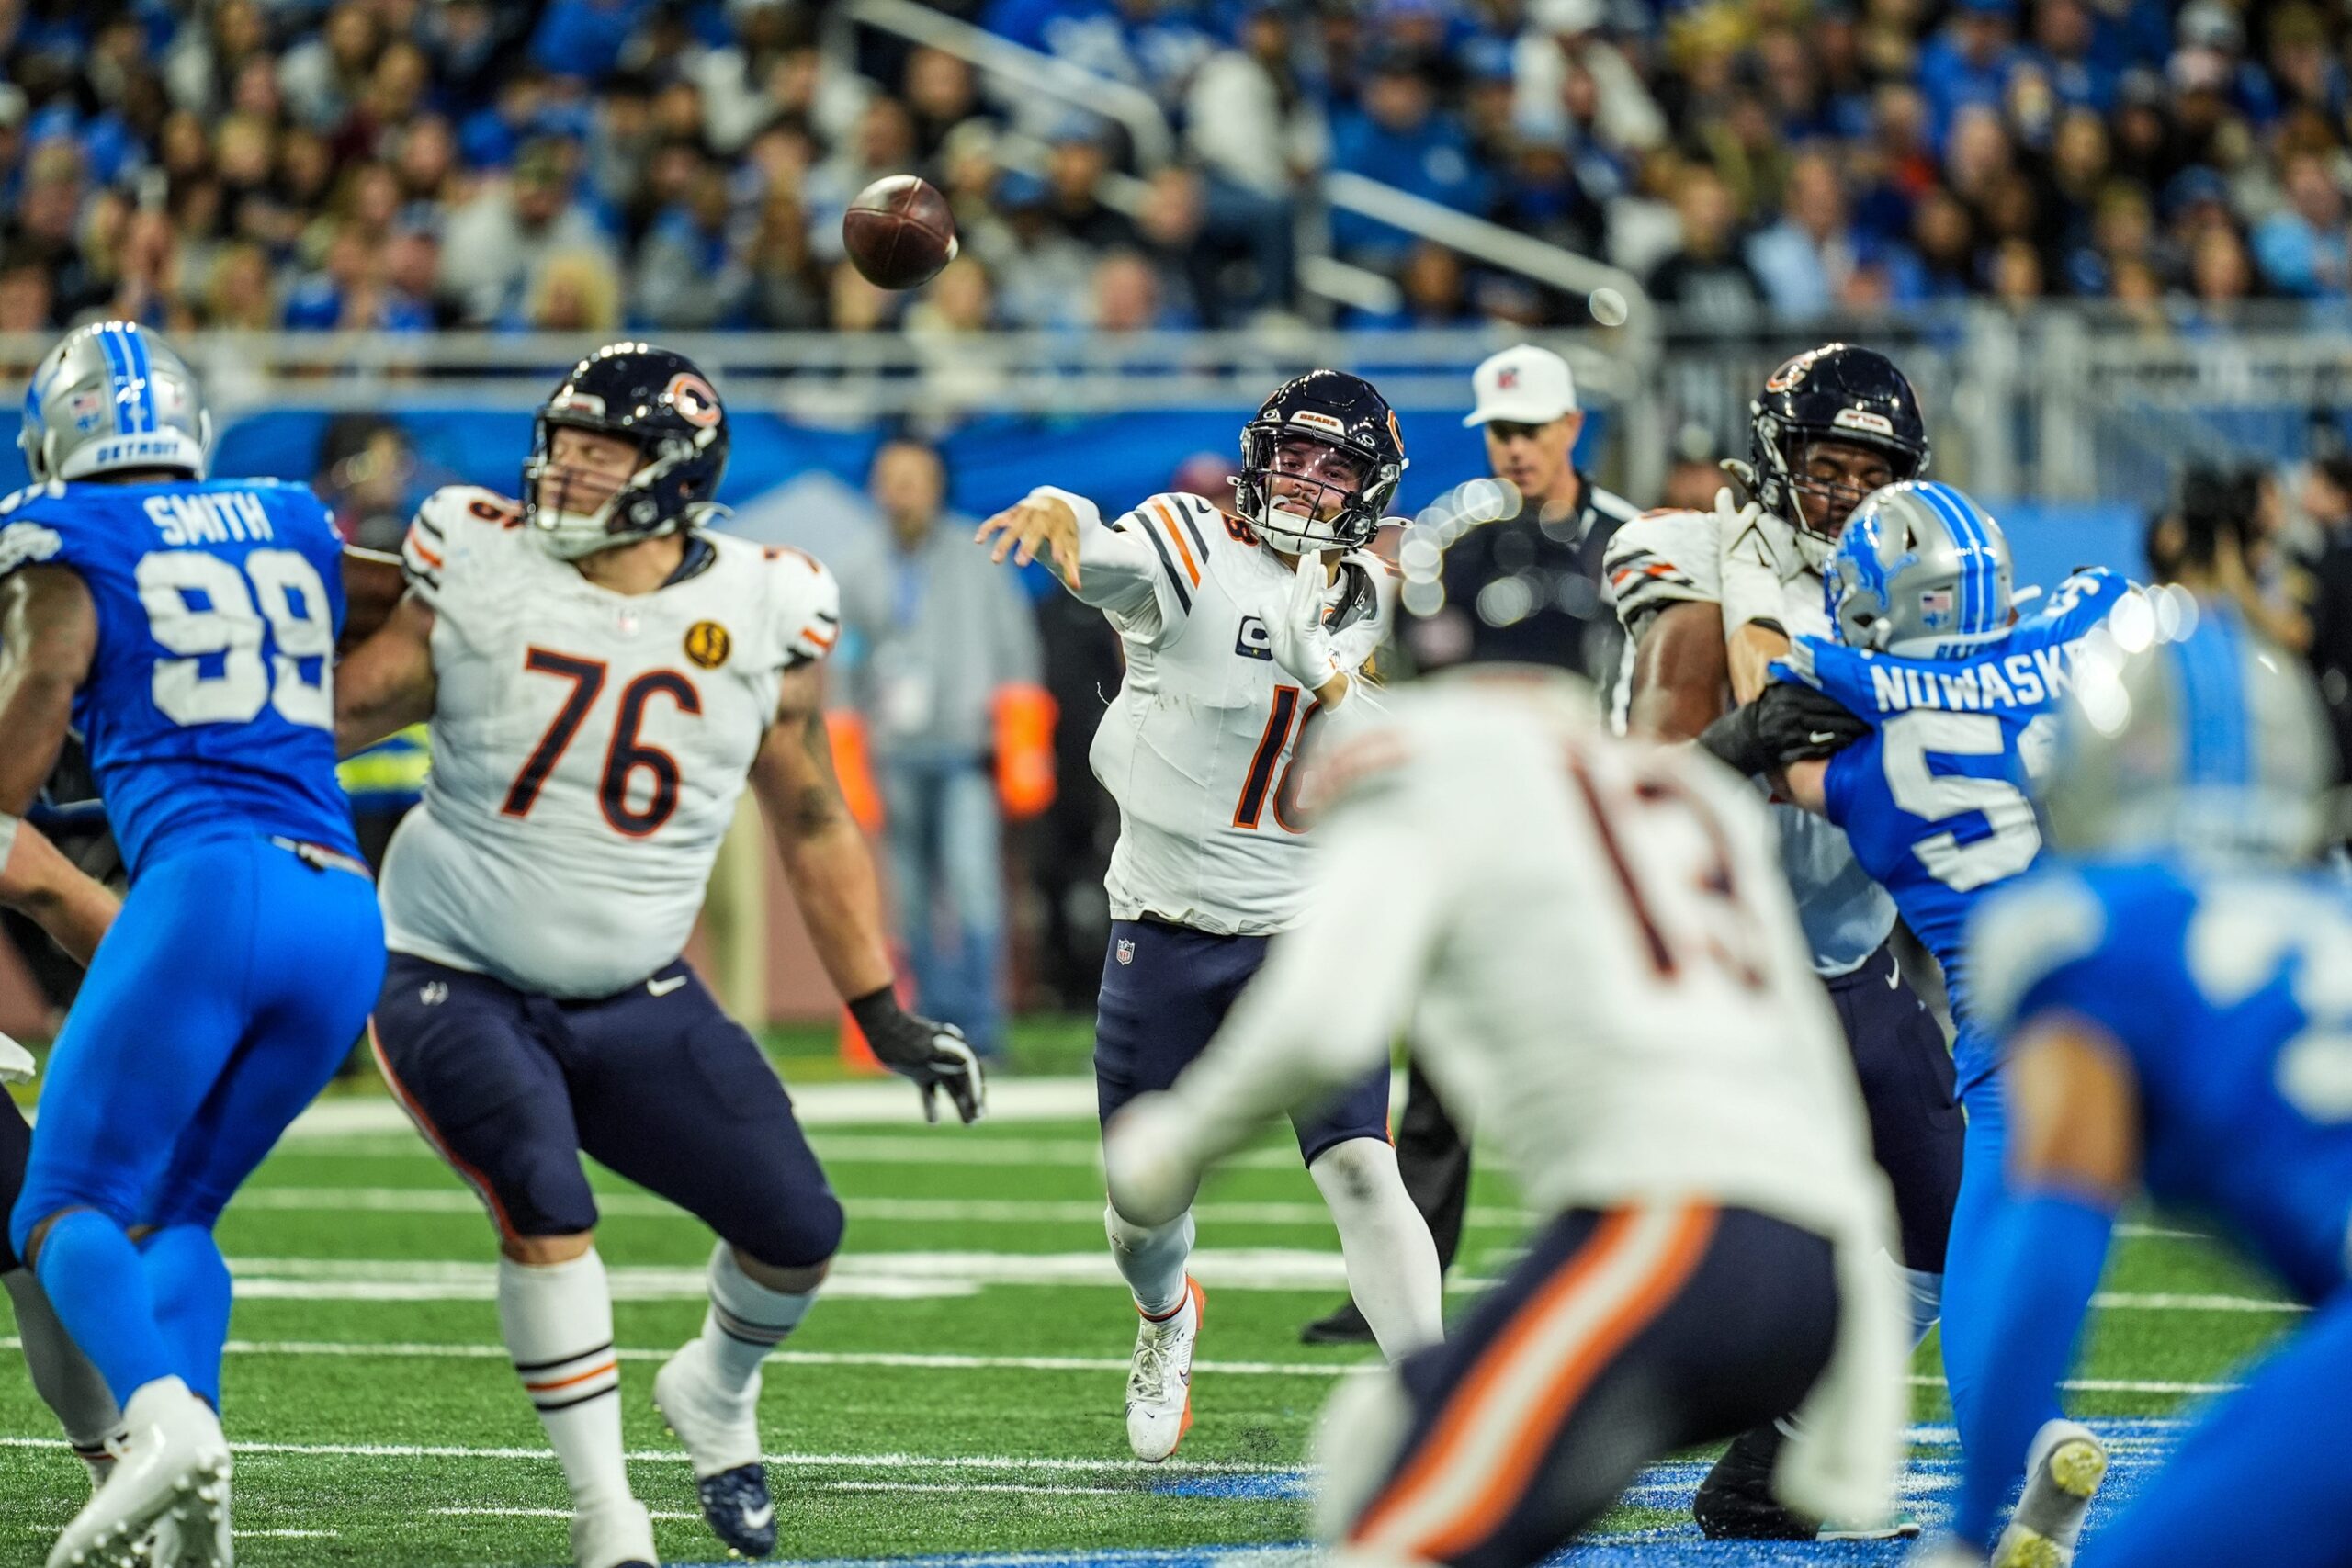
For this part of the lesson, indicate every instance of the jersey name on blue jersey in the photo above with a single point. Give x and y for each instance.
(1933, 799)
(209, 707)
(2232, 995)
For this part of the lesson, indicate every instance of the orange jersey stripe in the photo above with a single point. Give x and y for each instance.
(812, 635)
(1176, 537)
(427, 557)
(1417, 1507)
(550, 1386)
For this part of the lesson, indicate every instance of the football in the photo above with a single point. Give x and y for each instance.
(900, 232)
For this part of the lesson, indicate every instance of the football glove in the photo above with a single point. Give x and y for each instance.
(933, 1055)
(1786, 724)
(1297, 637)
(16, 1063)
(1757, 558)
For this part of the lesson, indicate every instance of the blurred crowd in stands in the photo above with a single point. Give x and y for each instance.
(591, 166)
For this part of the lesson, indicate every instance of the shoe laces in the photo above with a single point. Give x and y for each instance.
(1155, 1353)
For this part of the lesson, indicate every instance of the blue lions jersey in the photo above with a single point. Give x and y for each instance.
(2232, 994)
(1933, 799)
(210, 708)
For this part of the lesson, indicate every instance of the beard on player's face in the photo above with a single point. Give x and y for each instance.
(1312, 478)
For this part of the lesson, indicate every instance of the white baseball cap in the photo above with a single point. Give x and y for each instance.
(1526, 385)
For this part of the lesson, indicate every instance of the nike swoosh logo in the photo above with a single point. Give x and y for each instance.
(760, 1518)
(663, 987)
(1894, 979)
(1821, 737)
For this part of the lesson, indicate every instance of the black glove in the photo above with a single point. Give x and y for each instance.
(933, 1053)
(1786, 724)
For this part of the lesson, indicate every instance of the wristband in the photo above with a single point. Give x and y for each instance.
(875, 1011)
(7, 837)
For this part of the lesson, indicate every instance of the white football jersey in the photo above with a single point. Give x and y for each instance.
(1603, 973)
(588, 746)
(1663, 558)
(1198, 746)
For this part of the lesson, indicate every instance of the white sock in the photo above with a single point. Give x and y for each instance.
(62, 1375)
(746, 1321)
(558, 1320)
(1151, 1259)
(1925, 1291)
(1392, 1262)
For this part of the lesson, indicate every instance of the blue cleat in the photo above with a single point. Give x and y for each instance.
(741, 1513)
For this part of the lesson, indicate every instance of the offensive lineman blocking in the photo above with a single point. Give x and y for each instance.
(1242, 635)
(603, 677)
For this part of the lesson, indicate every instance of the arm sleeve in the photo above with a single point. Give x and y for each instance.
(1337, 986)
(806, 617)
(1661, 559)
(424, 552)
(1127, 569)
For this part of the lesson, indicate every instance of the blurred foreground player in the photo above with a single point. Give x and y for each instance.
(2174, 992)
(1607, 973)
(602, 677)
(1244, 634)
(186, 629)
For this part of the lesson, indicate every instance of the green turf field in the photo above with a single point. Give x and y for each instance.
(958, 1391)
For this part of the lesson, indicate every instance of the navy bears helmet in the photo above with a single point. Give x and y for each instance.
(1836, 392)
(662, 402)
(1345, 415)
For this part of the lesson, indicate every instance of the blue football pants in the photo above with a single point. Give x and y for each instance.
(233, 983)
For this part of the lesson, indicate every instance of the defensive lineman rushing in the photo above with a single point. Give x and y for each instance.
(2171, 994)
(1960, 698)
(1707, 600)
(1243, 636)
(1608, 976)
(602, 676)
(186, 629)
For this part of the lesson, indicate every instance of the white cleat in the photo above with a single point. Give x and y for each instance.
(182, 1539)
(618, 1537)
(174, 1461)
(2063, 1472)
(1159, 1380)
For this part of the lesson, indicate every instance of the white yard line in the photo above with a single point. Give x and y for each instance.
(881, 1462)
(919, 1274)
(456, 1200)
(942, 1361)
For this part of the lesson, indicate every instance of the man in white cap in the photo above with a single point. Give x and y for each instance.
(1525, 590)
(1552, 547)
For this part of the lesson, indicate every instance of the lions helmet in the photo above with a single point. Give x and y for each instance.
(2187, 731)
(1345, 417)
(113, 397)
(1919, 568)
(1836, 392)
(659, 401)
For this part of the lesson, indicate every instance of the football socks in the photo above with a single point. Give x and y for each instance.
(558, 1323)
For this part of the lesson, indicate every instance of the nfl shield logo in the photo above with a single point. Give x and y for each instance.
(1936, 607)
(1127, 950)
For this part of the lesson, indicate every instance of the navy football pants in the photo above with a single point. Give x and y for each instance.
(656, 1083)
